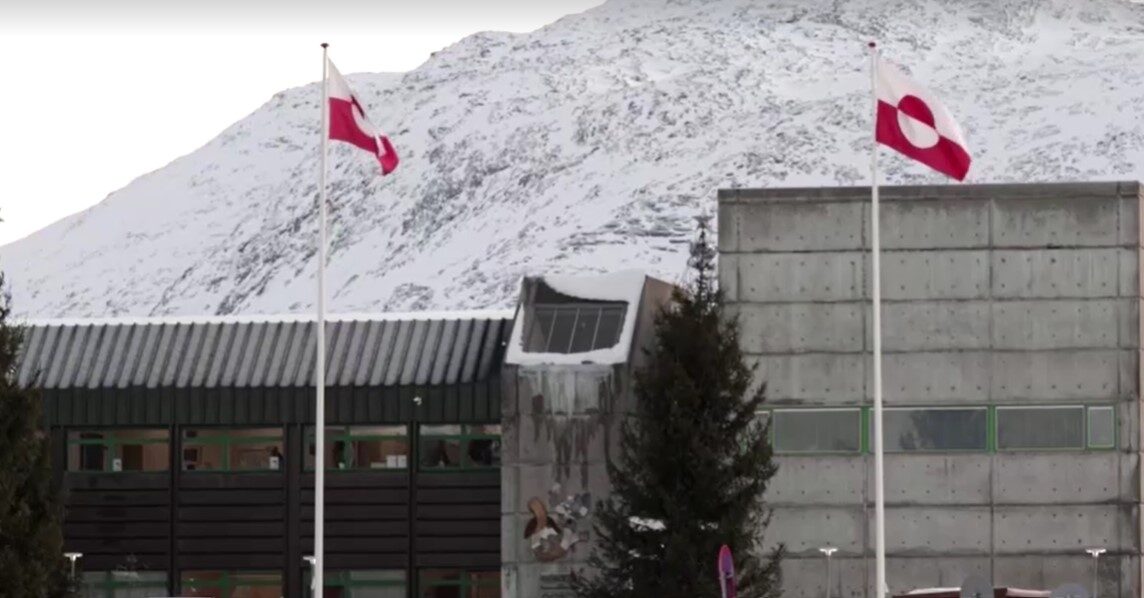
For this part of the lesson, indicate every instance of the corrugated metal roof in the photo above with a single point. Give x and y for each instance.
(276, 352)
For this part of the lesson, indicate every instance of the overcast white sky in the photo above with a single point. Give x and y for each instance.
(100, 92)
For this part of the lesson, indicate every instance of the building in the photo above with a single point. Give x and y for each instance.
(186, 450)
(469, 450)
(568, 374)
(1011, 333)
(185, 446)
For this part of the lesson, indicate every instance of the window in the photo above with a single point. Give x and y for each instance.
(1040, 428)
(1101, 427)
(232, 450)
(460, 584)
(363, 447)
(574, 328)
(460, 447)
(938, 429)
(123, 584)
(224, 584)
(118, 450)
(818, 430)
(360, 584)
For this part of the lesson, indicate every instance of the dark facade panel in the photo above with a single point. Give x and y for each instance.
(475, 402)
(111, 518)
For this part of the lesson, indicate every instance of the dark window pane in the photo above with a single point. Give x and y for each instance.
(574, 328)
(441, 452)
(443, 584)
(484, 452)
(561, 338)
(1040, 428)
(935, 429)
(823, 430)
(484, 584)
(540, 329)
(585, 329)
(233, 449)
(611, 322)
(92, 457)
(140, 450)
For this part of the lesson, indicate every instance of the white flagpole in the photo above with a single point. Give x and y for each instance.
(320, 354)
(876, 286)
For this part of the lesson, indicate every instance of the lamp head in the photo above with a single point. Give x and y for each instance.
(828, 550)
(73, 556)
(1096, 552)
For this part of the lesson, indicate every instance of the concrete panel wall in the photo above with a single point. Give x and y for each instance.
(557, 434)
(993, 295)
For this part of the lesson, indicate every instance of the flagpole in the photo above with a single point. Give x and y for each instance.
(320, 354)
(880, 589)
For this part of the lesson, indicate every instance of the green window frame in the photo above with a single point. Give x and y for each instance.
(450, 447)
(363, 582)
(1096, 444)
(110, 584)
(1025, 413)
(226, 582)
(349, 435)
(228, 439)
(109, 443)
(921, 447)
(776, 417)
(1101, 432)
(456, 582)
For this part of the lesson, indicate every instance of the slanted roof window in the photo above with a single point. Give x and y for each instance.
(575, 328)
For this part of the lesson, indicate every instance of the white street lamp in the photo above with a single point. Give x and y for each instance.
(828, 550)
(73, 557)
(313, 562)
(1095, 552)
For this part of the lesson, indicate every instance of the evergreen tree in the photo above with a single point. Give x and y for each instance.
(32, 564)
(694, 461)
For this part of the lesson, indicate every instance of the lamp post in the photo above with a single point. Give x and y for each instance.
(1095, 552)
(828, 550)
(73, 557)
(313, 562)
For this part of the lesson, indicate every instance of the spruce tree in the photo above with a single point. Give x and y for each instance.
(693, 464)
(31, 542)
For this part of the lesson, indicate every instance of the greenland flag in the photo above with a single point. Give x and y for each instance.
(349, 123)
(912, 121)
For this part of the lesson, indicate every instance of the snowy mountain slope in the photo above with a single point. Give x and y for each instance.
(588, 146)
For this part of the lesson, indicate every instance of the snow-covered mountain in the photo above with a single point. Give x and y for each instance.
(588, 146)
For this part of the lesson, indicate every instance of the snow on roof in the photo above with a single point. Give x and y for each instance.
(626, 286)
(933, 590)
(492, 314)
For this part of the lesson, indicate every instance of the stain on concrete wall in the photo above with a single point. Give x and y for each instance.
(563, 428)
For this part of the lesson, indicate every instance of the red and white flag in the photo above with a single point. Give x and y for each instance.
(349, 123)
(912, 121)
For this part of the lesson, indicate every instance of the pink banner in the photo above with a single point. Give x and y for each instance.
(726, 567)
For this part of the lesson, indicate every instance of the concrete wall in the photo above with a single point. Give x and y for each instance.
(995, 294)
(560, 424)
